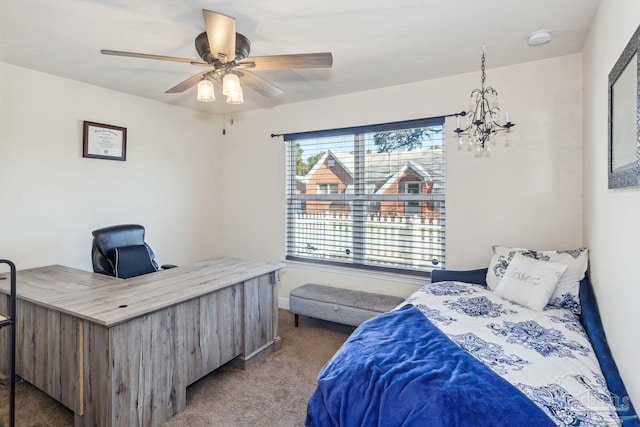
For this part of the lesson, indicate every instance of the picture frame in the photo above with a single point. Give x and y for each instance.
(101, 141)
(624, 117)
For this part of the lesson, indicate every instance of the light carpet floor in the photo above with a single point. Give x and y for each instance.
(273, 392)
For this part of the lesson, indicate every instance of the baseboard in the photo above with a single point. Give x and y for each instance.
(283, 303)
(244, 363)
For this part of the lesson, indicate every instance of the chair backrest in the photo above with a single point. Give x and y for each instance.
(107, 240)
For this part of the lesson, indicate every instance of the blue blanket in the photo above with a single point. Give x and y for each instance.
(398, 369)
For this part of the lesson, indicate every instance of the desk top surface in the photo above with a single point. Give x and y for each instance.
(108, 301)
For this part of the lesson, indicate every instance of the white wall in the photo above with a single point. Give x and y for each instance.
(527, 194)
(51, 197)
(611, 216)
(201, 195)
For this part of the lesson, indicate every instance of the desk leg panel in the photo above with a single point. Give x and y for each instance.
(5, 346)
(148, 379)
(277, 342)
(213, 331)
(49, 353)
(96, 390)
(260, 320)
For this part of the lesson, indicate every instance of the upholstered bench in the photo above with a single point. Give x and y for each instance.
(339, 305)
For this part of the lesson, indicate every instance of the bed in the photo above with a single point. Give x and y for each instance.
(455, 354)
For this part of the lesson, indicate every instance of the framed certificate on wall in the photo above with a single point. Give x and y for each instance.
(102, 141)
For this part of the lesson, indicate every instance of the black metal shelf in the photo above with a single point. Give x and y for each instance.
(9, 319)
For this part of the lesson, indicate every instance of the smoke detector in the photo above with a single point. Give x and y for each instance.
(539, 37)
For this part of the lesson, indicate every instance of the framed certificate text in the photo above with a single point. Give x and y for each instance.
(104, 141)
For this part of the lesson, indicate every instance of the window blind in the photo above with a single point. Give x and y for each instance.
(368, 196)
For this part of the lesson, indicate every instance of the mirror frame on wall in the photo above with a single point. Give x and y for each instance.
(624, 117)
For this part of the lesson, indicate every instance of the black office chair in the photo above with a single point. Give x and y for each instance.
(121, 251)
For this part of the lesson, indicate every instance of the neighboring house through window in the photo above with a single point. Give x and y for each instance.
(327, 188)
(371, 196)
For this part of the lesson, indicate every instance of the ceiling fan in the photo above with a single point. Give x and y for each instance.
(225, 55)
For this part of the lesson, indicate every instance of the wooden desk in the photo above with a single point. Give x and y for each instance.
(122, 352)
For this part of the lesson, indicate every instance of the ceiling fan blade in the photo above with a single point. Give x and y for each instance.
(148, 56)
(280, 62)
(221, 33)
(190, 82)
(259, 84)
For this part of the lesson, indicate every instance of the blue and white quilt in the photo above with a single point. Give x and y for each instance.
(545, 354)
(455, 354)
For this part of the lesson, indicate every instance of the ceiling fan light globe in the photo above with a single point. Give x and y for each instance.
(235, 98)
(230, 84)
(205, 91)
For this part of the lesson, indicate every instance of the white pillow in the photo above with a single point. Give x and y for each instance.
(530, 282)
(567, 291)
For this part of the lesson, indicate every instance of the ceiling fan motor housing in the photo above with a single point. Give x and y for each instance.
(243, 48)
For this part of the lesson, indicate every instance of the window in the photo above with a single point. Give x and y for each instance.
(370, 196)
(412, 187)
(327, 188)
(413, 207)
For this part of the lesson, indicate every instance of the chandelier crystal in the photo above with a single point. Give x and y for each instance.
(482, 118)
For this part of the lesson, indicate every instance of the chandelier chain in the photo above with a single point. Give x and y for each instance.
(483, 68)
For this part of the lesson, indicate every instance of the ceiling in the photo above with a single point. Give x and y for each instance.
(375, 43)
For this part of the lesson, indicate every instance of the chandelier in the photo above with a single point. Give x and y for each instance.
(482, 118)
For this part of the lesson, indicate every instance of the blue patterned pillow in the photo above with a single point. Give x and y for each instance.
(567, 291)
